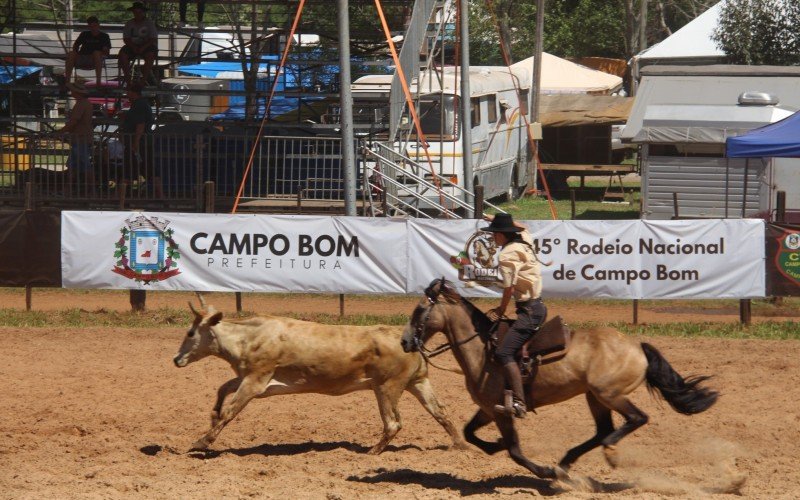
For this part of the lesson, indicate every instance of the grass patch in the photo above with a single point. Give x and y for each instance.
(588, 206)
(770, 330)
(164, 318)
(181, 318)
(81, 318)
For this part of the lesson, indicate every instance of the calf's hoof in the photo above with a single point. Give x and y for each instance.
(200, 445)
(377, 449)
(460, 445)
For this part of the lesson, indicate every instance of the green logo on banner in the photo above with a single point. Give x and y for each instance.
(788, 258)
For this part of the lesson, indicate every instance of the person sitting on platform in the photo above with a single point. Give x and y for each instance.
(89, 50)
(141, 40)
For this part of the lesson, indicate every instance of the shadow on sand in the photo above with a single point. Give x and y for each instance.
(465, 487)
(279, 449)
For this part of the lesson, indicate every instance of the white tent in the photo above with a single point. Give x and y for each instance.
(560, 76)
(692, 44)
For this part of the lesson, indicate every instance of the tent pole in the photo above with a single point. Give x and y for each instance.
(744, 187)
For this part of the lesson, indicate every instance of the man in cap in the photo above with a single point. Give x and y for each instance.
(89, 50)
(141, 41)
(522, 279)
(80, 132)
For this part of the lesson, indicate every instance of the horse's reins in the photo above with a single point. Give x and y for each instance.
(428, 353)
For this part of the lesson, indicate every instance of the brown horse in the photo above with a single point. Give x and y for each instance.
(601, 363)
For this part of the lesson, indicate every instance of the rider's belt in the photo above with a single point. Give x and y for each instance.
(527, 303)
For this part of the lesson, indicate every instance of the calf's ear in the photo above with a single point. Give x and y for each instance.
(214, 319)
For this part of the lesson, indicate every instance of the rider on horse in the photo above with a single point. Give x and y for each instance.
(522, 279)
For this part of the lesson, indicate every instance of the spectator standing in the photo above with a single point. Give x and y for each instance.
(135, 136)
(89, 50)
(141, 41)
(80, 132)
(201, 8)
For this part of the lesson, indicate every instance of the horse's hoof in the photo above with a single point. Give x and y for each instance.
(560, 473)
(376, 450)
(612, 456)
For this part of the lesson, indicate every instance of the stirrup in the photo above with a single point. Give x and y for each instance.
(512, 407)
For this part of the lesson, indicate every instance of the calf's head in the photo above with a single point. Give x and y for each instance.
(200, 340)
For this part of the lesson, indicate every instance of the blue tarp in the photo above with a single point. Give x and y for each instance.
(279, 106)
(213, 69)
(7, 72)
(780, 139)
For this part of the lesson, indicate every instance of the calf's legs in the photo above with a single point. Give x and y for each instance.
(423, 391)
(251, 386)
(223, 391)
(388, 394)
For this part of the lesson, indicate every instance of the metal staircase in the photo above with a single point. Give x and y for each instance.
(396, 185)
(405, 186)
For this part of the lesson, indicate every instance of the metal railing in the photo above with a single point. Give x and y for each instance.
(169, 167)
(408, 187)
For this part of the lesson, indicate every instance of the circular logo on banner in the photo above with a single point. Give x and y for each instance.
(477, 262)
(793, 241)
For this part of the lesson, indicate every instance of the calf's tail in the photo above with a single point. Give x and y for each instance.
(685, 396)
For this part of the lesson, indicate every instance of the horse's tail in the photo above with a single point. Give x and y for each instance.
(683, 395)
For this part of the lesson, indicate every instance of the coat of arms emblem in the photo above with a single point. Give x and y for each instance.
(145, 251)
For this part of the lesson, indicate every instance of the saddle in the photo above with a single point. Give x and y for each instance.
(550, 344)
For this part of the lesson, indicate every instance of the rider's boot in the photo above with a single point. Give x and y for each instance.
(515, 405)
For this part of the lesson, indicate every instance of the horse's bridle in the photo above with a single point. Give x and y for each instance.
(421, 326)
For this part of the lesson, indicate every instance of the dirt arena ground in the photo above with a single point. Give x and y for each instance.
(103, 413)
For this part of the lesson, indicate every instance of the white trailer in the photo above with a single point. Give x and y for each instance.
(498, 97)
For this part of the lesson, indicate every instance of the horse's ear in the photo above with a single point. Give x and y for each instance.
(443, 285)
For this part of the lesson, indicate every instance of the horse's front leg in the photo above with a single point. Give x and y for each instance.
(481, 419)
(223, 391)
(511, 441)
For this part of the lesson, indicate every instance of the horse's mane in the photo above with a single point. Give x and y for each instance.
(480, 322)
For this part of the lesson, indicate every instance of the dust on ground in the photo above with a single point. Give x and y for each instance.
(103, 413)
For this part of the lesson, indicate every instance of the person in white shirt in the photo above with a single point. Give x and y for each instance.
(521, 273)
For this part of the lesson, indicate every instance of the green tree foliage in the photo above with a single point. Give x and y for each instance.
(760, 32)
(585, 28)
(576, 28)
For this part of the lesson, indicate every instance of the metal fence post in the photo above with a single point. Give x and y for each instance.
(745, 312)
(209, 197)
(479, 201)
(780, 207)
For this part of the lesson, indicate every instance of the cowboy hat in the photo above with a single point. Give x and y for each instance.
(502, 223)
(138, 5)
(77, 87)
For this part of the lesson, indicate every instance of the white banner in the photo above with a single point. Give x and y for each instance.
(219, 252)
(626, 259)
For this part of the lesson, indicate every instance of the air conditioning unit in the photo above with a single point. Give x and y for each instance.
(188, 98)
